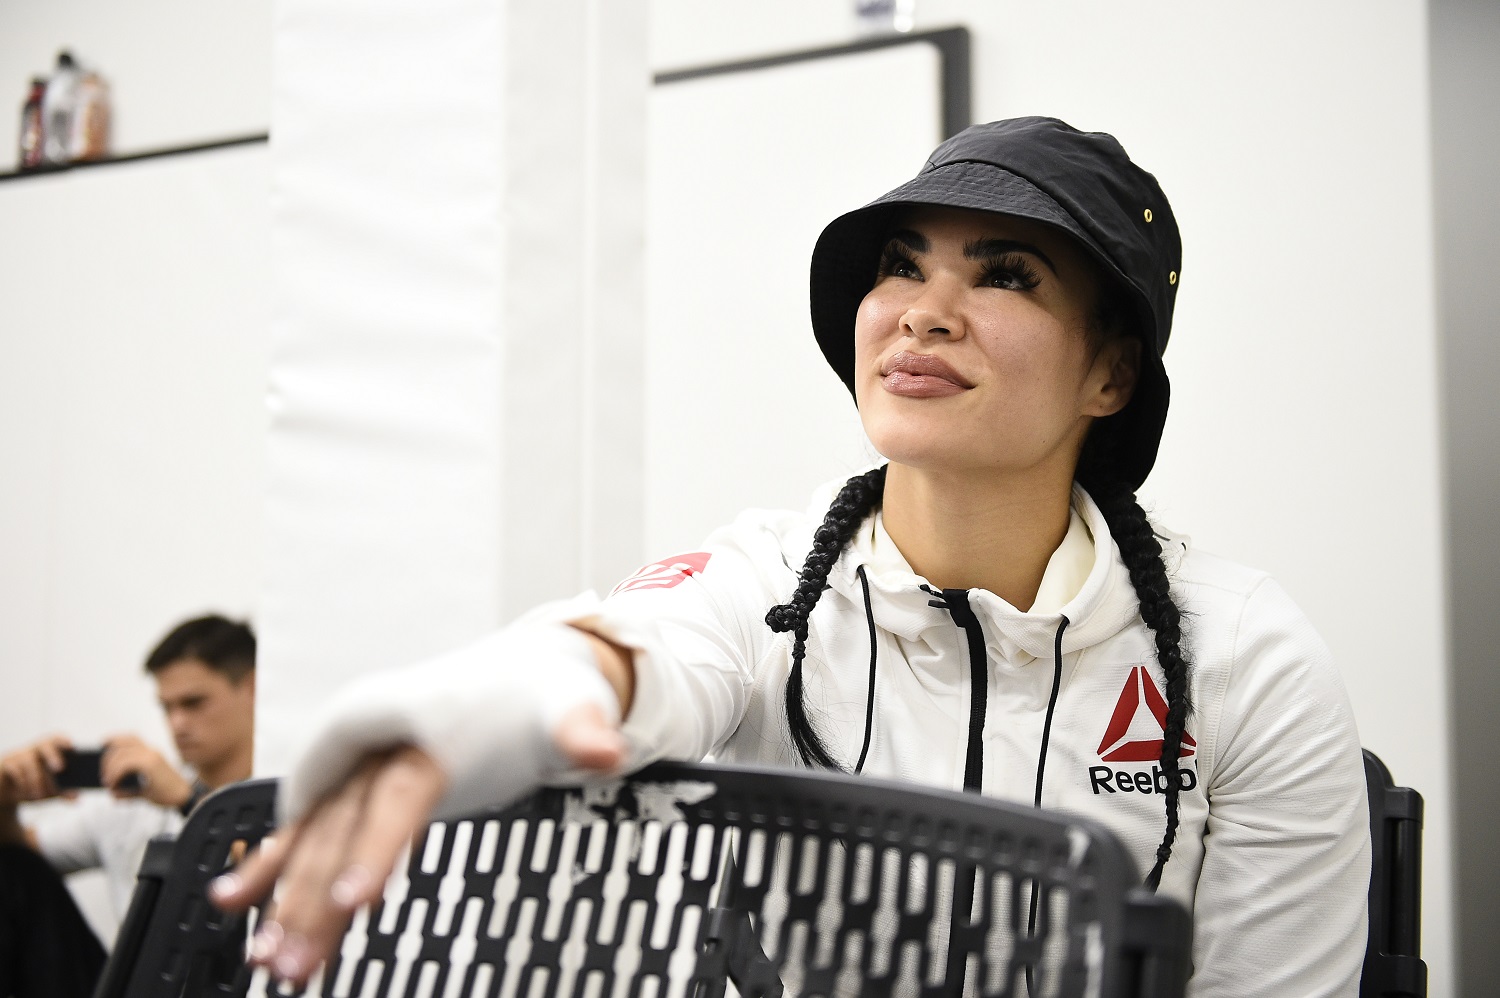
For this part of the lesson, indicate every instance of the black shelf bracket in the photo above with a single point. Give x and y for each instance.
(953, 54)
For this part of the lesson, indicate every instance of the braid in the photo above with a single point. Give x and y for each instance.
(1148, 574)
(855, 501)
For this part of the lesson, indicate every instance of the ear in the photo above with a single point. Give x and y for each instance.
(1112, 379)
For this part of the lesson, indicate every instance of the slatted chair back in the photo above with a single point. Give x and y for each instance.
(681, 878)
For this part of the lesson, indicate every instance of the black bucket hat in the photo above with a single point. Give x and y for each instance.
(1045, 170)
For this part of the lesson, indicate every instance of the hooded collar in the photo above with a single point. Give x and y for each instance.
(1093, 588)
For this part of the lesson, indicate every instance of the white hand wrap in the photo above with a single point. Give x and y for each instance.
(486, 712)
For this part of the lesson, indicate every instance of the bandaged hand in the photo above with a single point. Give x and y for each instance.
(481, 726)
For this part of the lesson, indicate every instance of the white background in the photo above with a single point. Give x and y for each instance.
(1305, 436)
(132, 430)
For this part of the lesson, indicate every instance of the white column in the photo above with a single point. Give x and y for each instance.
(454, 383)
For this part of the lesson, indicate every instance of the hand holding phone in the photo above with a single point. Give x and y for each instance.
(130, 767)
(83, 770)
(26, 774)
(80, 769)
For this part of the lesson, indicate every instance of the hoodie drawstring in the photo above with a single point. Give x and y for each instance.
(1041, 768)
(956, 602)
(869, 697)
(1057, 662)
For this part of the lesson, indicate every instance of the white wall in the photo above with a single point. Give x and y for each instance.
(1292, 139)
(456, 366)
(132, 430)
(180, 72)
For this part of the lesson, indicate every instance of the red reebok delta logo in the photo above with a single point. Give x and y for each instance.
(1135, 729)
(666, 573)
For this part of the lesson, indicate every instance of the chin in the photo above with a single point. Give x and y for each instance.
(922, 454)
(919, 443)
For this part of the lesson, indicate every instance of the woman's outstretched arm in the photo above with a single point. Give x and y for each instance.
(338, 855)
(576, 688)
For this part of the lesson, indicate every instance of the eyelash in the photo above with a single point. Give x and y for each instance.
(1014, 269)
(893, 257)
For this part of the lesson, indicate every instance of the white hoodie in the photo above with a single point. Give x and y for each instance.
(1273, 852)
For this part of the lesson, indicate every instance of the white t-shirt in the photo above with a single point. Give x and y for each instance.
(99, 831)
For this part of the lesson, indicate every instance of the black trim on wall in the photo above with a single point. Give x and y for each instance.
(953, 55)
(45, 171)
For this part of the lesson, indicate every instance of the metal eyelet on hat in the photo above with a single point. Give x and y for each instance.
(1172, 277)
(1148, 215)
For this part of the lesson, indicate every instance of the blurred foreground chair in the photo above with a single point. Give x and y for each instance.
(670, 881)
(1393, 964)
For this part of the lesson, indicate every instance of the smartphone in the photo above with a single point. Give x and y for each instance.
(81, 772)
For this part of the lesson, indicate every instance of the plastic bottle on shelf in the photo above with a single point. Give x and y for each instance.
(57, 110)
(30, 152)
(90, 138)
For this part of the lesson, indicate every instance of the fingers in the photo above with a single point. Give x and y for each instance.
(587, 739)
(29, 773)
(336, 859)
(253, 879)
(159, 780)
(51, 751)
(306, 925)
(401, 799)
(115, 763)
(13, 772)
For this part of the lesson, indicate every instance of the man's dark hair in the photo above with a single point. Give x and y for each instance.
(222, 644)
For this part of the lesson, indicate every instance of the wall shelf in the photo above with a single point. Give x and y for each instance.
(952, 45)
(48, 171)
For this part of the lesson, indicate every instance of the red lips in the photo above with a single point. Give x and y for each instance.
(921, 375)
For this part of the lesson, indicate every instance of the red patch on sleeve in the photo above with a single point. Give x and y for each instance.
(666, 573)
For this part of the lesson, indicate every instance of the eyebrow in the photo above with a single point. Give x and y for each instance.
(979, 249)
(911, 239)
(984, 249)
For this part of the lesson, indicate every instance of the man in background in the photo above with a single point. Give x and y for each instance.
(205, 682)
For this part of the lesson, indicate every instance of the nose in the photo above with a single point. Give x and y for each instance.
(933, 313)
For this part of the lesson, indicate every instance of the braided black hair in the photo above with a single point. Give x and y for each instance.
(855, 501)
(1141, 554)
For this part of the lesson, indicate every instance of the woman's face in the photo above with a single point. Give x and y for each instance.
(971, 350)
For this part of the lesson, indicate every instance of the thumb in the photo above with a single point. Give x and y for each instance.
(587, 740)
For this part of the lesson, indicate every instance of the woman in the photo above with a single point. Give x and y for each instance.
(989, 610)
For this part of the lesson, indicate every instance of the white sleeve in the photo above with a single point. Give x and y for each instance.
(65, 833)
(697, 625)
(1282, 898)
(486, 712)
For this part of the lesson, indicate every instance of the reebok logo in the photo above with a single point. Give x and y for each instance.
(1135, 728)
(666, 573)
(1134, 734)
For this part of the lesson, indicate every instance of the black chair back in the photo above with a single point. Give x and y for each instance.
(1393, 964)
(676, 879)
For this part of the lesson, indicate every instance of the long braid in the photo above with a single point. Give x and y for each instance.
(855, 501)
(1148, 574)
